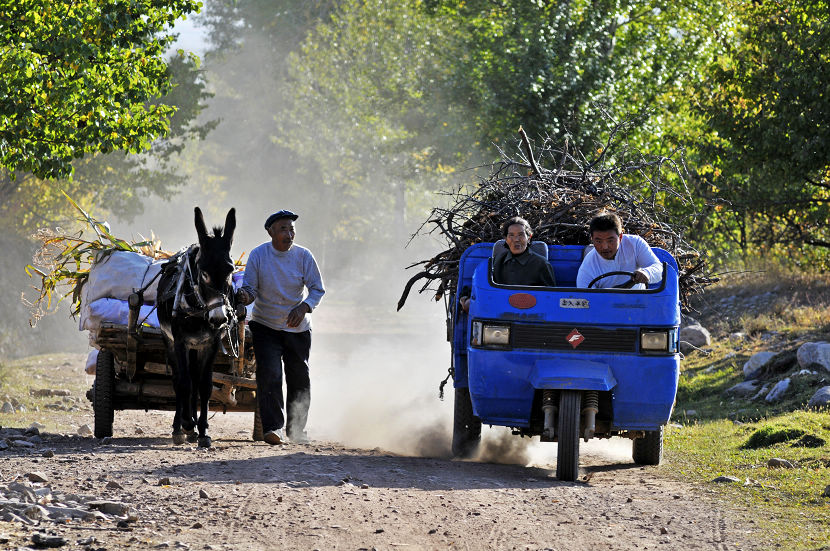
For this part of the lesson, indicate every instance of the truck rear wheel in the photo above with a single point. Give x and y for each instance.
(104, 394)
(649, 449)
(567, 456)
(466, 427)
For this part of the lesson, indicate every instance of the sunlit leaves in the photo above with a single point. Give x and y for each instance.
(77, 79)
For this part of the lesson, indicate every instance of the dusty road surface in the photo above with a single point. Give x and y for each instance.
(322, 495)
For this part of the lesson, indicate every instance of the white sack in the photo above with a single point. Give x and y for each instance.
(117, 311)
(117, 275)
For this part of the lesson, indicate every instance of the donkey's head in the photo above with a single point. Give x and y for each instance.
(214, 265)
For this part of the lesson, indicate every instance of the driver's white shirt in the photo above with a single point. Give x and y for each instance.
(633, 254)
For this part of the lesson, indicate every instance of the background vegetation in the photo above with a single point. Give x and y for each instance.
(359, 110)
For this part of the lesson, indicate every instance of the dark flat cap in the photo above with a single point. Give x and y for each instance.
(280, 214)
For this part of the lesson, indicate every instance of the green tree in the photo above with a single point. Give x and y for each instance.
(552, 67)
(767, 102)
(79, 77)
(116, 183)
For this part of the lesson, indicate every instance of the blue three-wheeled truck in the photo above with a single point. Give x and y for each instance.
(564, 363)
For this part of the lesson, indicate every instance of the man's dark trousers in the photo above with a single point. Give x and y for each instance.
(273, 349)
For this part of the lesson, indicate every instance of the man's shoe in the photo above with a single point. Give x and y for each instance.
(274, 437)
(301, 438)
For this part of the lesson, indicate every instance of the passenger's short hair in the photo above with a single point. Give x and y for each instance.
(517, 220)
(605, 221)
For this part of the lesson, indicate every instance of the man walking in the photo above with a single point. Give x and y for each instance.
(284, 283)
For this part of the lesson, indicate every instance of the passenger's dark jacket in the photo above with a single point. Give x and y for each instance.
(527, 268)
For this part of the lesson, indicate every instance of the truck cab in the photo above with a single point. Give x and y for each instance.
(562, 362)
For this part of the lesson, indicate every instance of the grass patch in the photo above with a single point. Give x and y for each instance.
(788, 504)
(767, 435)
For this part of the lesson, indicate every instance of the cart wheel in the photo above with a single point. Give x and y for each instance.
(567, 456)
(466, 427)
(257, 436)
(649, 449)
(104, 394)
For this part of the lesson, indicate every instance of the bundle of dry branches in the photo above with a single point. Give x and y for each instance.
(560, 201)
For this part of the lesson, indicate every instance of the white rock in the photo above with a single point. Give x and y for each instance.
(820, 398)
(84, 430)
(753, 366)
(763, 392)
(743, 389)
(814, 353)
(38, 426)
(778, 390)
(696, 335)
(779, 463)
(806, 372)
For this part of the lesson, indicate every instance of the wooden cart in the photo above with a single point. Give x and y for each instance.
(133, 372)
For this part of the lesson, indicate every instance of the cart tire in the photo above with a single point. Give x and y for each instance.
(649, 449)
(257, 435)
(104, 394)
(567, 453)
(466, 427)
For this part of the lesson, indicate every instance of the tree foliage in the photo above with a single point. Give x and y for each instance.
(79, 77)
(117, 183)
(767, 106)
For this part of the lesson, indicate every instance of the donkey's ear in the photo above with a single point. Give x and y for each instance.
(230, 226)
(201, 229)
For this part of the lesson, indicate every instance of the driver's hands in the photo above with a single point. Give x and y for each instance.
(640, 276)
(465, 303)
(296, 315)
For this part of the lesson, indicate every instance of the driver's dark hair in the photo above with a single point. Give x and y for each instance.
(516, 220)
(605, 221)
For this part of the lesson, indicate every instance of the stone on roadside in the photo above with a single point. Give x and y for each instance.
(821, 398)
(38, 426)
(113, 485)
(84, 430)
(45, 540)
(36, 476)
(814, 353)
(696, 335)
(755, 364)
(726, 479)
(7, 408)
(115, 508)
(826, 492)
(777, 462)
(778, 390)
(743, 389)
(203, 494)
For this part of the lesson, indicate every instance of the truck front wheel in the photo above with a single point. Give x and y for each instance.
(649, 449)
(466, 427)
(567, 456)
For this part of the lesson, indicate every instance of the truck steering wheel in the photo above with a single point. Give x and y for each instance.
(627, 285)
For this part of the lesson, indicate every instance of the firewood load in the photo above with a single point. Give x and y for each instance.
(558, 193)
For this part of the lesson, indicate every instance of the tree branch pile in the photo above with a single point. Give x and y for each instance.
(560, 200)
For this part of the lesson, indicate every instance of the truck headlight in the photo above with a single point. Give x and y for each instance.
(654, 341)
(496, 334)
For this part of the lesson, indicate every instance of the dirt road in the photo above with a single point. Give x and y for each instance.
(322, 495)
